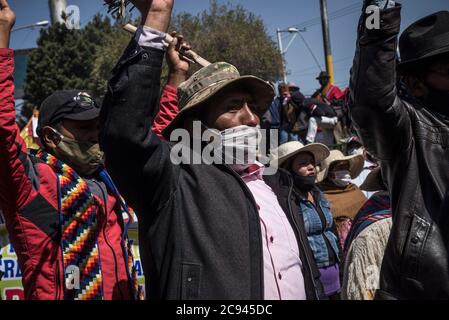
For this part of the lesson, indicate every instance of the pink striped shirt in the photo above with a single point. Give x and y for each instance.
(283, 278)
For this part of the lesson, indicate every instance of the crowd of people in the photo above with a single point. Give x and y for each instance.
(321, 118)
(357, 207)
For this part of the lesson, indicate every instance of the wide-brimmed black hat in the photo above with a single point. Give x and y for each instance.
(424, 39)
(323, 75)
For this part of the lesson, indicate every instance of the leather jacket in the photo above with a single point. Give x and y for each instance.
(412, 143)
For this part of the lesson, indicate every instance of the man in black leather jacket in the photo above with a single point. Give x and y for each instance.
(410, 137)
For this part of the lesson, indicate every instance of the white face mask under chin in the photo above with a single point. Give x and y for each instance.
(340, 178)
(239, 146)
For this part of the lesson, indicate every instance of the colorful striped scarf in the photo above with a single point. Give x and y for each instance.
(78, 213)
(78, 221)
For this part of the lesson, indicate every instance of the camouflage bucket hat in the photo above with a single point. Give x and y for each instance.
(213, 79)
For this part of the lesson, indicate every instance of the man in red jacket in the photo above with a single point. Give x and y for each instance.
(63, 214)
(328, 92)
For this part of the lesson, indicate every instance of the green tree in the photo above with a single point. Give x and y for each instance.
(105, 59)
(64, 59)
(222, 33)
(83, 59)
(235, 35)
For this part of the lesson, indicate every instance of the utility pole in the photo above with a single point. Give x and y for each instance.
(326, 40)
(281, 49)
(294, 32)
(57, 7)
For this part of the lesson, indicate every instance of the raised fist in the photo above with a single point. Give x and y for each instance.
(7, 20)
(7, 16)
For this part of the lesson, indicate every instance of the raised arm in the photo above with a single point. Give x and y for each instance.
(135, 157)
(7, 21)
(15, 184)
(379, 116)
(178, 69)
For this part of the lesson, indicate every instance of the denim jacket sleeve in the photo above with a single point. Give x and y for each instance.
(136, 158)
(275, 113)
(379, 115)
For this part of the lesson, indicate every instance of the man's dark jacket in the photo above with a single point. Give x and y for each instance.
(276, 115)
(199, 227)
(412, 143)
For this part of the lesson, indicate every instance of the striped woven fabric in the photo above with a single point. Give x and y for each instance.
(375, 209)
(79, 233)
(136, 288)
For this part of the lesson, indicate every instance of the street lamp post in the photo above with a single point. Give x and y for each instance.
(294, 32)
(40, 24)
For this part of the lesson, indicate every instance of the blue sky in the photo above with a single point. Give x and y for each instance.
(276, 14)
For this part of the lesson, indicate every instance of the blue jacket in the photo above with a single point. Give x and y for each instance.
(319, 225)
(275, 113)
(275, 116)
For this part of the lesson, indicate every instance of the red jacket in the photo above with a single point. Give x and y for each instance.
(332, 92)
(28, 197)
(167, 111)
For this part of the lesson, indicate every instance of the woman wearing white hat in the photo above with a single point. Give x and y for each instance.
(301, 161)
(346, 198)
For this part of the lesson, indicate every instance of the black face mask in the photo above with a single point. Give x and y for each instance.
(438, 101)
(305, 184)
(324, 83)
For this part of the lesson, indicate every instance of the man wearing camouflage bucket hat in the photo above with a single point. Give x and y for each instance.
(207, 231)
(217, 80)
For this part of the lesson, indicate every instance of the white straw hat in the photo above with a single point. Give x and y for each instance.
(292, 148)
(356, 163)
